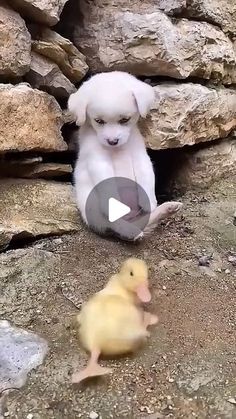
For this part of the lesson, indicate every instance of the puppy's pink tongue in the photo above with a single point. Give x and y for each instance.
(143, 293)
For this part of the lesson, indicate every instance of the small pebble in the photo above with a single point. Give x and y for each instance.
(232, 259)
(227, 271)
(93, 415)
(164, 287)
(30, 416)
(204, 260)
(6, 414)
(57, 241)
(232, 400)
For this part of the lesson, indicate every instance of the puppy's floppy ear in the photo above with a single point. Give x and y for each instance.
(77, 104)
(144, 95)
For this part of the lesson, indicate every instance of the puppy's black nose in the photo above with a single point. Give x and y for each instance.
(113, 142)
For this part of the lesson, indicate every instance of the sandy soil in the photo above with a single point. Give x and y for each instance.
(186, 370)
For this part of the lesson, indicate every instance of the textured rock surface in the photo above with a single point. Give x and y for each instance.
(152, 44)
(187, 114)
(60, 50)
(38, 281)
(30, 120)
(171, 6)
(35, 208)
(42, 11)
(20, 352)
(44, 74)
(15, 44)
(34, 170)
(219, 12)
(204, 167)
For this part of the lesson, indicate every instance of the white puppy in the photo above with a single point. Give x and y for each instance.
(107, 108)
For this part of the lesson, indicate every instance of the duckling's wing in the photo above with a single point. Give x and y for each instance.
(110, 318)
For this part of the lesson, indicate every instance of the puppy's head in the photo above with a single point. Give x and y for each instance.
(111, 103)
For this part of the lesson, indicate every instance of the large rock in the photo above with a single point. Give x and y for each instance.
(152, 44)
(44, 74)
(60, 50)
(43, 11)
(219, 12)
(201, 168)
(189, 113)
(21, 351)
(15, 44)
(29, 209)
(30, 120)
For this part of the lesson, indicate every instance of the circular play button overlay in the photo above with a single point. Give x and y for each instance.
(118, 206)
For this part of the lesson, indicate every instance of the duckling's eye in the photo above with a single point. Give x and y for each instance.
(123, 121)
(100, 121)
(131, 273)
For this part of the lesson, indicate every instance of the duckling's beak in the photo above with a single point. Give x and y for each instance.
(143, 293)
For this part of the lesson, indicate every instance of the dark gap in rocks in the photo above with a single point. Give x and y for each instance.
(166, 163)
(169, 164)
(158, 80)
(70, 136)
(11, 80)
(68, 20)
(25, 165)
(24, 240)
(64, 157)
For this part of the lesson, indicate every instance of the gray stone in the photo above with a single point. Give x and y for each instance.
(171, 7)
(151, 44)
(188, 114)
(44, 74)
(20, 352)
(219, 12)
(43, 11)
(15, 44)
(61, 51)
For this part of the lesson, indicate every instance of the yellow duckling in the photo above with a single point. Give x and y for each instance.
(112, 321)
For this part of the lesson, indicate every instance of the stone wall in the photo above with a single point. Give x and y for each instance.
(186, 49)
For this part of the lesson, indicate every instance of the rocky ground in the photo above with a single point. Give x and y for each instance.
(187, 369)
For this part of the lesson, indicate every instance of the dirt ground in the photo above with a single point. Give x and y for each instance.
(187, 368)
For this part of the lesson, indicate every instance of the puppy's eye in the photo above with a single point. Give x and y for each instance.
(124, 121)
(131, 273)
(100, 121)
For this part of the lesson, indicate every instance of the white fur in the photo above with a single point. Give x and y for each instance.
(109, 98)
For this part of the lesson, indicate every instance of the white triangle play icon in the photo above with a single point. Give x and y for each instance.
(116, 210)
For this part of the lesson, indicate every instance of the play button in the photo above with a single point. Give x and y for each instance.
(117, 210)
(118, 206)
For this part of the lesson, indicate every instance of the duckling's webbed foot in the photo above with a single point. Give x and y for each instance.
(149, 319)
(93, 369)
